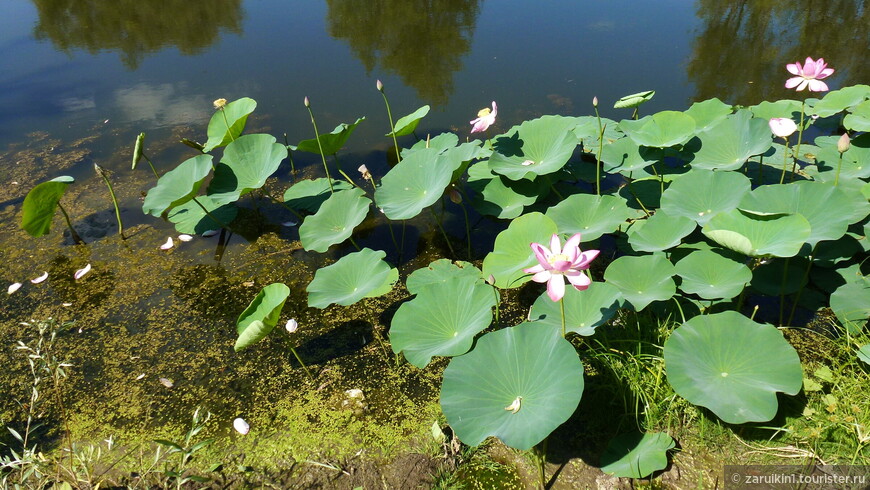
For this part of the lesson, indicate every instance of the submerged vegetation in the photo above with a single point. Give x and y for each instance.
(709, 252)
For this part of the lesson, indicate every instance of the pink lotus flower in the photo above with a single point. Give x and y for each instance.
(557, 262)
(782, 126)
(485, 119)
(810, 75)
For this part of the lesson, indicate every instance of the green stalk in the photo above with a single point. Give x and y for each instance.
(302, 364)
(797, 151)
(319, 146)
(785, 160)
(72, 231)
(207, 213)
(390, 116)
(600, 146)
(837, 176)
(227, 124)
(562, 310)
(151, 165)
(114, 199)
(443, 233)
(353, 243)
(290, 156)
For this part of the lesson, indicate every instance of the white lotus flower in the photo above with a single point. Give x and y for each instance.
(81, 272)
(39, 279)
(13, 287)
(241, 426)
(169, 244)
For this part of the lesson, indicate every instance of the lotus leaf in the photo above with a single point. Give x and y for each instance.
(858, 118)
(177, 186)
(851, 303)
(790, 109)
(308, 195)
(702, 194)
(335, 220)
(626, 156)
(592, 216)
(407, 124)
(663, 129)
(415, 183)
(757, 235)
(643, 279)
(584, 310)
(634, 100)
(712, 276)
(837, 100)
(191, 217)
(636, 455)
(439, 272)
(247, 163)
(355, 276)
(659, 232)
(442, 320)
(512, 251)
(537, 147)
(228, 123)
(331, 142)
(41, 203)
(732, 365)
(708, 113)
(518, 384)
(729, 143)
(501, 197)
(261, 316)
(864, 353)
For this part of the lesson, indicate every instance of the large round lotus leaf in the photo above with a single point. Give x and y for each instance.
(636, 455)
(643, 279)
(584, 310)
(708, 113)
(537, 147)
(659, 232)
(331, 142)
(864, 353)
(355, 276)
(191, 217)
(634, 100)
(663, 129)
(261, 316)
(335, 220)
(512, 251)
(823, 205)
(247, 163)
(712, 276)
(758, 235)
(837, 100)
(851, 303)
(417, 182)
(858, 118)
(228, 123)
(590, 215)
(308, 195)
(729, 143)
(790, 109)
(41, 203)
(702, 194)
(438, 272)
(177, 186)
(442, 320)
(647, 190)
(518, 384)
(855, 161)
(407, 124)
(732, 365)
(501, 197)
(624, 156)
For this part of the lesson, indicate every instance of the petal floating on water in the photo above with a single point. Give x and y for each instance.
(241, 426)
(169, 244)
(13, 287)
(81, 272)
(39, 279)
(166, 382)
(185, 237)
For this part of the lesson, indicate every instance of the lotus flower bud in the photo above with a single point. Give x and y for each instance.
(595, 101)
(843, 144)
(292, 325)
(380, 86)
(305, 101)
(220, 103)
(454, 195)
(241, 426)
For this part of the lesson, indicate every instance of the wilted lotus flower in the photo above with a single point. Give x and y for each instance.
(782, 126)
(292, 325)
(168, 244)
(810, 75)
(220, 103)
(13, 287)
(81, 272)
(365, 172)
(485, 119)
(241, 426)
(555, 263)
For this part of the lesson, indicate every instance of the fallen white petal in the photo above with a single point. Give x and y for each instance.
(185, 238)
(140, 376)
(209, 233)
(66, 304)
(241, 426)
(169, 244)
(81, 272)
(13, 287)
(41, 278)
(292, 325)
(166, 382)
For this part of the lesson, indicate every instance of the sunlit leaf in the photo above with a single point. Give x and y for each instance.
(663, 129)
(590, 215)
(228, 123)
(247, 163)
(636, 455)
(335, 220)
(177, 186)
(537, 147)
(711, 275)
(512, 251)
(261, 316)
(407, 124)
(643, 279)
(355, 276)
(41, 203)
(701, 194)
(584, 310)
(331, 142)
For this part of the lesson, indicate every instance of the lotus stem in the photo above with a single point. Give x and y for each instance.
(102, 173)
(637, 198)
(275, 200)
(543, 462)
(290, 156)
(227, 124)
(443, 233)
(837, 176)
(319, 146)
(785, 160)
(207, 213)
(797, 151)
(72, 231)
(154, 170)
(761, 170)
(562, 311)
(600, 146)
(350, 238)
(390, 116)
(302, 364)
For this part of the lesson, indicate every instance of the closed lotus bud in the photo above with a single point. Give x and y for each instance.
(595, 101)
(220, 103)
(292, 325)
(843, 144)
(307, 104)
(455, 196)
(380, 86)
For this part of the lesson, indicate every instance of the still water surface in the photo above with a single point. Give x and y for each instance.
(71, 65)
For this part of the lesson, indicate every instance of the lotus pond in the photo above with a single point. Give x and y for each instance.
(617, 290)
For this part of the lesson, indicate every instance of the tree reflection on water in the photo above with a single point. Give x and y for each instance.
(422, 41)
(135, 28)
